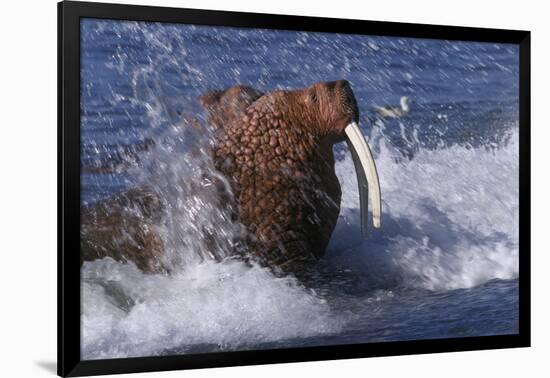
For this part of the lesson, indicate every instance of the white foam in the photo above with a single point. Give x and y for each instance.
(449, 221)
(450, 218)
(226, 304)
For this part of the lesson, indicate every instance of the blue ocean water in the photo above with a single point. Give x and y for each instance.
(444, 263)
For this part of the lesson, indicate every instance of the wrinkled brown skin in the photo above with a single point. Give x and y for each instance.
(122, 227)
(278, 157)
(276, 151)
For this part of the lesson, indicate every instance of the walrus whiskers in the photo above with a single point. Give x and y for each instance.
(367, 176)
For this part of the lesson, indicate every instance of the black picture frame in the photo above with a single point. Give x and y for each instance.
(69, 361)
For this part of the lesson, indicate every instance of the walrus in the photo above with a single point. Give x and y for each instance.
(123, 227)
(275, 150)
(278, 157)
(121, 160)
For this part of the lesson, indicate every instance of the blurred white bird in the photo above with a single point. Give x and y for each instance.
(394, 111)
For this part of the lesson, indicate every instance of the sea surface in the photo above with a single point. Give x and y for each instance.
(445, 262)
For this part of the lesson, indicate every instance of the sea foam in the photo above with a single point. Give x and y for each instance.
(450, 218)
(449, 221)
(229, 305)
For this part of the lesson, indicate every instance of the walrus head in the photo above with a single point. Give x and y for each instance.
(325, 109)
(277, 155)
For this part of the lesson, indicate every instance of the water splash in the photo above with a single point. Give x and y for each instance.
(224, 306)
(457, 231)
(450, 218)
(450, 204)
(197, 223)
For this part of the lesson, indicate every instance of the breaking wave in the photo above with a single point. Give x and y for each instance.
(449, 222)
(450, 218)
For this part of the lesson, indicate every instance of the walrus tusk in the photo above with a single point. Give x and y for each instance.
(367, 176)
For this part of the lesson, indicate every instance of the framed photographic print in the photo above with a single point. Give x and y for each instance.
(239, 188)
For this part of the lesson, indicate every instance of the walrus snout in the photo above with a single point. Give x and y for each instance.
(348, 101)
(335, 102)
(339, 117)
